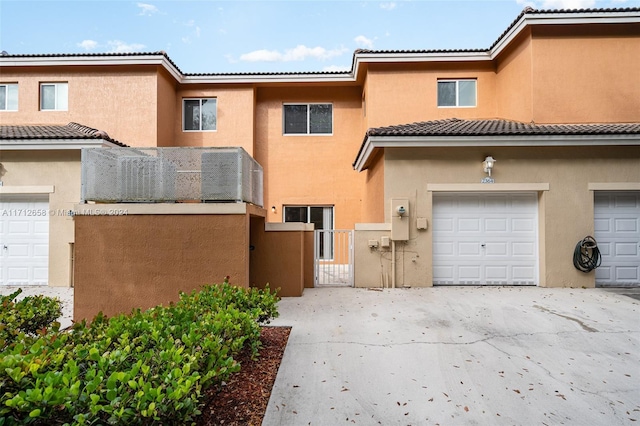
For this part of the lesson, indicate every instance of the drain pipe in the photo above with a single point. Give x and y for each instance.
(393, 264)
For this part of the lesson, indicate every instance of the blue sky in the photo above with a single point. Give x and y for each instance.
(207, 36)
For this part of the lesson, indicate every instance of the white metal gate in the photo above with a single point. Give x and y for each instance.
(333, 257)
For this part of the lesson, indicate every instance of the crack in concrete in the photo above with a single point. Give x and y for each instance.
(582, 324)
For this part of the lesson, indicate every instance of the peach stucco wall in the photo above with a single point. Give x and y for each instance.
(235, 117)
(139, 261)
(572, 74)
(281, 258)
(311, 170)
(22, 170)
(513, 81)
(167, 109)
(407, 93)
(120, 101)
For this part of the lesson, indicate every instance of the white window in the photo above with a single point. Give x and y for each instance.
(54, 96)
(308, 119)
(8, 97)
(199, 115)
(457, 93)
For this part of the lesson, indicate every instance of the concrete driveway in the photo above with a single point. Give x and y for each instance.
(459, 356)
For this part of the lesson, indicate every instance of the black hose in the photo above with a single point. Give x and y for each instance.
(586, 256)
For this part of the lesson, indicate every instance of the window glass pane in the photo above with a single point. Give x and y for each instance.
(320, 118)
(62, 95)
(295, 119)
(317, 217)
(192, 114)
(295, 214)
(467, 93)
(446, 93)
(208, 114)
(12, 97)
(3, 97)
(47, 96)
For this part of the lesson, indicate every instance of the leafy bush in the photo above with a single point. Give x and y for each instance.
(29, 315)
(143, 368)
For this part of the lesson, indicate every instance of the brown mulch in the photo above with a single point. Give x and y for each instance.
(243, 399)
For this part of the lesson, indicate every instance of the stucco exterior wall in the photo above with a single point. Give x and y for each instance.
(572, 78)
(61, 170)
(235, 117)
(122, 101)
(167, 109)
(314, 169)
(140, 261)
(407, 93)
(281, 257)
(514, 81)
(565, 210)
(373, 193)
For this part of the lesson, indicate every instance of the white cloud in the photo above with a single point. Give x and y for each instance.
(298, 53)
(388, 6)
(88, 44)
(362, 41)
(339, 68)
(147, 9)
(559, 4)
(117, 46)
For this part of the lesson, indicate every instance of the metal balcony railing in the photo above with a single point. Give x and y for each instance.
(165, 175)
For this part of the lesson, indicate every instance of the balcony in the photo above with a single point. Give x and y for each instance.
(169, 175)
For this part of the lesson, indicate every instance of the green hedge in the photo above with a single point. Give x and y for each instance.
(148, 367)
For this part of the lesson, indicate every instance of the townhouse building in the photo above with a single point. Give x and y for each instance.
(479, 167)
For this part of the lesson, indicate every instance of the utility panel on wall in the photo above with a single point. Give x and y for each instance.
(400, 219)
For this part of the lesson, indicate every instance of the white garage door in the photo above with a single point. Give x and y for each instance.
(485, 239)
(24, 240)
(617, 232)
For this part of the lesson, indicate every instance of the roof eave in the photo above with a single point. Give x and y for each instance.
(372, 143)
(36, 144)
(93, 60)
(562, 18)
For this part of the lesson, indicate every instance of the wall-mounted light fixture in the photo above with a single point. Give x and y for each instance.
(273, 209)
(487, 165)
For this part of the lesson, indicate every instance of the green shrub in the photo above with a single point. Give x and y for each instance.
(144, 368)
(29, 315)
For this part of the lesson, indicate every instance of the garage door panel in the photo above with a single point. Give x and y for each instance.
(468, 249)
(468, 225)
(617, 231)
(492, 234)
(496, 225)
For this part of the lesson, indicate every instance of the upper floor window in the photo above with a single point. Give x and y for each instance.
(54, 96)
(457, 93)
(308, 119)
(8, 97)
(199, 114)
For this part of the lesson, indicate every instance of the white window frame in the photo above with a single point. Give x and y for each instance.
(59, 104)
(215, 129)
(308, 105)
(6, 87)
(457, 82)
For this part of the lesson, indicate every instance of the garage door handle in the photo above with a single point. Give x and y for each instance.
(483, 245)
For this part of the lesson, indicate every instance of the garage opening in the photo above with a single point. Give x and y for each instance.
(485, 238)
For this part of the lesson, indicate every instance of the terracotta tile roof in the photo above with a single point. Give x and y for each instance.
(493, 128)
(498, 127)
(53, 132)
